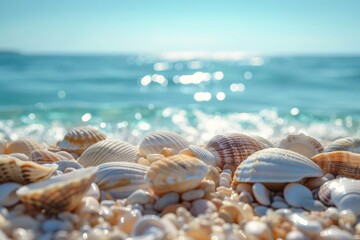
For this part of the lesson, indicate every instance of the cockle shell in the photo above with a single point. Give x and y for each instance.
(25, 146)
(350, 144)
(275, 165)
(59, 193)
(44, 156)
(120, 179)
(23, 172)
(156, 141)
(177, 173)
(108, 150)
(232, 148)
(339, 163)
(80, 138)
(305, 145)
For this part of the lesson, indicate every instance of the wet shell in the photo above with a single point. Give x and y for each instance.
(339, 163)
(156, 141)
(79, 139)
(23, 172)
(275, 165)
(350, 144)
(44, 156)
(25, 146)
(302, 144)
(230, 148)
(108, 151)
(60, 193)
(120, 179)
(177, 173)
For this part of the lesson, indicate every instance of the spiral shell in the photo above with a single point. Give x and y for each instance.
(339, 163)
(108, 150)
(305, 145)
(80, 138)
(60, 193)
(44, 156)
(177, 173)
(25, 146)
(350, 144)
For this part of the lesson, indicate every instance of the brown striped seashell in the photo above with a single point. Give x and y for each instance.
(25, 146)
(156, 141)
(339, 163)
(44, 157)
(305, 145)
(232, 148)
(349, 144)
(177, 173)
(60, 193)
(109, 150)
(79, 139)
(23, 172)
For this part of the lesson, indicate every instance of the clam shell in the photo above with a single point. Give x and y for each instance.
(25, 146)
(60, 193)
(80, 138)
(108, 150)
(275, 165)
(339, 163)
(350, 144)
(177, 173)
(23, 172)
(156, 141)
(305, 145)
(120, 179)
(44, 156)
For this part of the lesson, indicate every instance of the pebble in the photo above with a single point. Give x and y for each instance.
(257, 230)
(243, 186)
(295, 193)
(90, 205)
(192, 195)
(310, 227)
(334, 233)
(224, 182)
(313, 205)
(296, 235)
(279, 204)
(261, 194)
(94, 191)
(139, 196)
(260, 210)
(167, 199)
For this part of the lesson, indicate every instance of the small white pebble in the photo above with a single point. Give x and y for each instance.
(261, 194)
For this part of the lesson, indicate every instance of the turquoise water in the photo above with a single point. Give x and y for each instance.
(197, 96)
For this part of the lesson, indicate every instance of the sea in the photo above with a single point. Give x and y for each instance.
(197, 95)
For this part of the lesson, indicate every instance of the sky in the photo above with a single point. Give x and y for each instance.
(152, 26)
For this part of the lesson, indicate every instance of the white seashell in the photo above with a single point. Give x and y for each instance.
(334, 233)
(349, 144)
(310, 227)
(274, 165)
(261, 194)
(64, 164)
(302, 144)
(108, 150)
(156, 141)
(25, 146)
(295, 194)
(8, 194)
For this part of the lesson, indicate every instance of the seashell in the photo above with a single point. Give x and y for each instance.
(120, 179)
(79, 139)
(302, 144)
(64, 164)
(275, 165)
(349, 144)
(25, 146)
(7, 194)
(156, 141)
(230, 148)
(264, 141)
(65, 155)
(44, 156)
(339, 163)
(20, 156)
(177, 173)
(59, 193)
(108, 150)
(23, 172)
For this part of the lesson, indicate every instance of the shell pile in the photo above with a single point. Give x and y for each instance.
(236, 187)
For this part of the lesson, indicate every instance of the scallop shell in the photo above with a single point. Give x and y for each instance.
(44, 156)
(108, 150)
(120, 179)
(275, 165)
(339, 163)
(25, 146)
(60, 193)
(232, 148)
(156, 141)
(177, 173)
(79, 139)
(305, 145)
(350, 144)
(23, 172)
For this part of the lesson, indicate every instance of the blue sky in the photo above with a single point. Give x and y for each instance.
(117, 26)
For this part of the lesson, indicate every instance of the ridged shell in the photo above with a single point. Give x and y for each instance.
(80, 138)
(232, 148)
(339, 163)
(25, 146)
(305, 145)
(156, 141)
(275, 165)
(60, 193)
(23, 172)
(177, 173)
(108, 150)
(63, 164)
(350, 144)
(44, 156)
(120, 179)
(265, 142)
